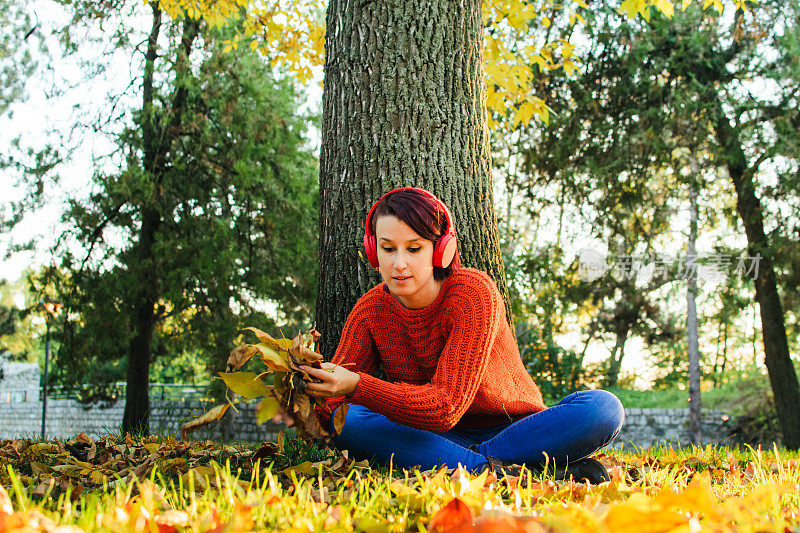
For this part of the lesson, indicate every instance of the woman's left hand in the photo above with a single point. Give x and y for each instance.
(336, 381)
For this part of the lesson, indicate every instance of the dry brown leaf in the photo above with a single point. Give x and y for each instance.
(267, 450)
(40, 468)
(339, 419)
(212, 415)
(239, 356)
(45, 485)
(311, 428)
(301, 406)
(303, 354)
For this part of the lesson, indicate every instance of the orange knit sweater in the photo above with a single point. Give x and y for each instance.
(452, 363)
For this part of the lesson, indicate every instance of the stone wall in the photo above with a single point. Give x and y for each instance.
(651, 427)
(67, 418)
(19, 382)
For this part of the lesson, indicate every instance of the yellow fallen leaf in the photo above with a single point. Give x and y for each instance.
(210, 416)
(97, 477)
(305, 468)
(278, 361)
(401, 489)
(266, 409)
(628, 517)
(245, 384)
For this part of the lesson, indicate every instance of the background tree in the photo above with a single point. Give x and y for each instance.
(651, 81)
(205, 220)
(742, 123)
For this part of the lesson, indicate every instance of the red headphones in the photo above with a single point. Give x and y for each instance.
(443, 251)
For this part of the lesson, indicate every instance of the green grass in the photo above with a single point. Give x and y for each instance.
(716, 487)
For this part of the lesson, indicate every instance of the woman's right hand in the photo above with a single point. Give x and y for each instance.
(283, 417)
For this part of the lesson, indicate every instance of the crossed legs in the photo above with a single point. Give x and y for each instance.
(576, 427)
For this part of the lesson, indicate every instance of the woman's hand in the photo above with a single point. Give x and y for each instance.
(283, 417)
(336, 381)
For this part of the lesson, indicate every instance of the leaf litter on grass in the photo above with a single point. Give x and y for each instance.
(143, 485)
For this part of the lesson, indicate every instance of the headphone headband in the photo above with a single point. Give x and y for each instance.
(449, 230)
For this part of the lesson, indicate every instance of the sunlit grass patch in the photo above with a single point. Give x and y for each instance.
(241, 487)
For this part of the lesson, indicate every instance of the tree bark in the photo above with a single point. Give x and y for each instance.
(782, 376)
(155, 145)
(403, 106)
(615, 361)
(695, 415)
(136, 418)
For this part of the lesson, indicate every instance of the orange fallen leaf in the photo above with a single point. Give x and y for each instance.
(453, 515)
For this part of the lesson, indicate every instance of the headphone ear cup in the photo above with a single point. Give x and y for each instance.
(371, 248)
(445, 250)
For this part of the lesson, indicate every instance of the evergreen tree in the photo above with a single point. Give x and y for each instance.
(206, 220)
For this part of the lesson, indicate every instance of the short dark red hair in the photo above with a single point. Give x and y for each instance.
(422, 214)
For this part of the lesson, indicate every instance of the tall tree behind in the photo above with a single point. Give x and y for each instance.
(693, 344)
(214, 200)
(403, 105)
(744, 125)
(683, 69)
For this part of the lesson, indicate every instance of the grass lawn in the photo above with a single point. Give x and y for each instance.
(162, 485)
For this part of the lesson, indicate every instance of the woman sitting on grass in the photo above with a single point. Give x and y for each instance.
(457, 391)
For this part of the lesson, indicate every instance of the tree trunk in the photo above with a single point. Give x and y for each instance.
(136, 418)
(782, 376)
(403, 106)
(615, 362)
(155, 144)
(695, 416)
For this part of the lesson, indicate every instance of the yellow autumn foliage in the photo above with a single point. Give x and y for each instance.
(291, 34)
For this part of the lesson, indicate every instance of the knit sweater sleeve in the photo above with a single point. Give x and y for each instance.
(356, 352)
(473, 313)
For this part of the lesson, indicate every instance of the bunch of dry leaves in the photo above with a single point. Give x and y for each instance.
(282, 384)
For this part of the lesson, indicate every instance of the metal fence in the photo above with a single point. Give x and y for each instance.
(114, 391)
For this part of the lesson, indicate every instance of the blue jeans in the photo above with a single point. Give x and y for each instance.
(575, 428)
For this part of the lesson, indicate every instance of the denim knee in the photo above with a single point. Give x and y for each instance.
(611, 414)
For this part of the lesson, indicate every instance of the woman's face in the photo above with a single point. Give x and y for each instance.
(405, 261)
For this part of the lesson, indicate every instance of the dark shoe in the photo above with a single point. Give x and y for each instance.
(586, 469)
